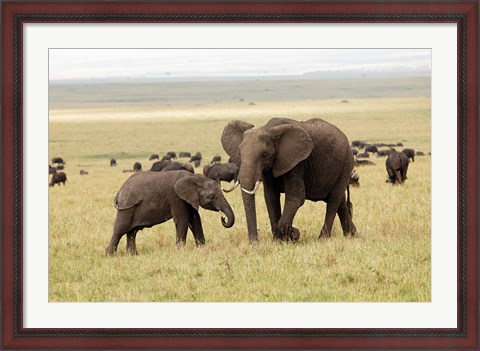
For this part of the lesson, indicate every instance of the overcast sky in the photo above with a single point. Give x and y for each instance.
(91, 64)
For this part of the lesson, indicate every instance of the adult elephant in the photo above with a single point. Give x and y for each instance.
(305, 160)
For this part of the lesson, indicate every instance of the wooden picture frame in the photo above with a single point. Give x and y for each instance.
(463, 13)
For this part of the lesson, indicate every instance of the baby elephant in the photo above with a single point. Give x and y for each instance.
(151, 198)
(57, 178)
(397, 167)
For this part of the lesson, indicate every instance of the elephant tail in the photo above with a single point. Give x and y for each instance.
(349, 203)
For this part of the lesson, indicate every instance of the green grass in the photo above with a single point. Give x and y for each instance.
(389, 259)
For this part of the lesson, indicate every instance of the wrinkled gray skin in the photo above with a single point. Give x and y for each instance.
(305, 160)
(397, 167)
(151, 198)
(224, 171)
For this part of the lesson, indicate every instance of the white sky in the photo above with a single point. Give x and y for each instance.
(84, 64)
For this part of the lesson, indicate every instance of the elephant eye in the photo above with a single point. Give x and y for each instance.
(212, 196)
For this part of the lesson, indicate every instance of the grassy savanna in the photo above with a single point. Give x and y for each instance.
(389, 259)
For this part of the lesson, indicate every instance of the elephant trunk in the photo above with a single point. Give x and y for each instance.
(249, 177)
(250, 213)
(228, 212)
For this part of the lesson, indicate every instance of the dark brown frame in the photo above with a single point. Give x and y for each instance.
(462, 12)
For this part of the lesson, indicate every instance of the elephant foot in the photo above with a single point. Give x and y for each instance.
(324, 234)
(180, 243)
(290, 234)
(294, 235)
(110, 251)
(353, 230)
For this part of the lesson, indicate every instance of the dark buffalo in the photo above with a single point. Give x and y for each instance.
(172, 154)
(363, 155)
(221, 172)
(154, 157)
(216, 159)
(158, 166)
(177, 166)
(83, 172)
(197, 163)
(184, 154)
(355, 152)
(166, 158)
(58, 160)
(113, 162)
(60, 167)
(58, 178)
(51, 170)
(371, 148)
(196, 157)
(419, 153)
(363, 163)
(358, 144)
(382, 153)
(137, 166)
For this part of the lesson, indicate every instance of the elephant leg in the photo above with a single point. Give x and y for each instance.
(332, 208)
(344, 214)
(336, 198)
(181, 227)
(131, 244)
(404, 173)
(112, 247)
(294, 199)
(399, 177)
(272, 200)
(180, 211)
(195, 225)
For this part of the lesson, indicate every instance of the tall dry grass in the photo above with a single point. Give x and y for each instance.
(389, 259)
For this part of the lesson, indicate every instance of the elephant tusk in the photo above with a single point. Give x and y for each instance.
(251, 192)
(232, 188)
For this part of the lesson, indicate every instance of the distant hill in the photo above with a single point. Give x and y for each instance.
(103, 94)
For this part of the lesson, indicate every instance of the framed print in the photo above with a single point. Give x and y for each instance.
(304, 110)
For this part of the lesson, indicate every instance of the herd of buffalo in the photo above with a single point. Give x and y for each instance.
(285, 155)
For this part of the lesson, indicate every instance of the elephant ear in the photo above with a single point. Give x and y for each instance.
(187, 189)
(293, 144)
(231, 138)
